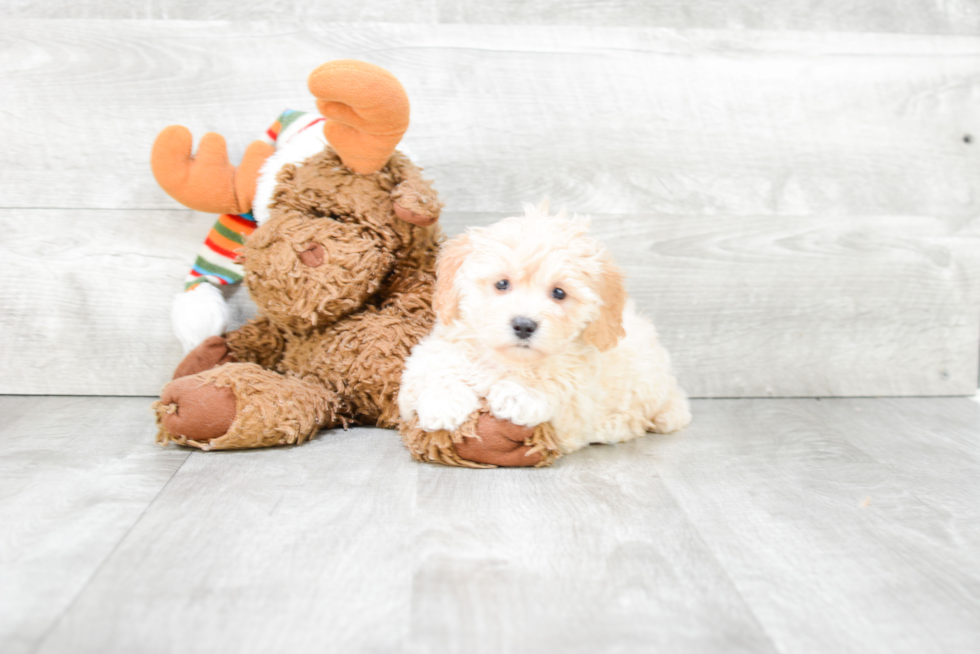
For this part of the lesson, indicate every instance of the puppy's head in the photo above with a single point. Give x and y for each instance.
(528, 286)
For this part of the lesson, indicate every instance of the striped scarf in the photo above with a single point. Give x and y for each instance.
(217, 261)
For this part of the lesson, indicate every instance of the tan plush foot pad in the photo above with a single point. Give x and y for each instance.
(270, 409)
(483, 441)
(195, 410)
(211, 353)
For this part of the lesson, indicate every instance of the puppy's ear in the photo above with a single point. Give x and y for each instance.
(445, 298)
(607, 329)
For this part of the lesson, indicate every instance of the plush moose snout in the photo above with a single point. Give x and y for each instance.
(313, 255)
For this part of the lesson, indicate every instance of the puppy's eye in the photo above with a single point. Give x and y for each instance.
(502, 285)
(558, 294)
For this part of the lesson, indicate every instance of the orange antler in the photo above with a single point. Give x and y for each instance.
(366, 109)
(207, 182)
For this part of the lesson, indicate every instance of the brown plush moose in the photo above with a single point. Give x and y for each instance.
(342, 270)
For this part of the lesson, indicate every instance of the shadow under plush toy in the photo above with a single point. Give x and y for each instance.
(341, 266)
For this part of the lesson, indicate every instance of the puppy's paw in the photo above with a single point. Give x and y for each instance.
(511, 401)
(446, 408)
(674, 415)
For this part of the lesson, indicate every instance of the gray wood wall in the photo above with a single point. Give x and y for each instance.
(793, 187)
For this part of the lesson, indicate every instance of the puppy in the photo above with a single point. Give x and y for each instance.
(533, 317)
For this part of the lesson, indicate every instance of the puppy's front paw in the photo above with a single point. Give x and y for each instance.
(674, 415)
(511, 401)
(446, 408)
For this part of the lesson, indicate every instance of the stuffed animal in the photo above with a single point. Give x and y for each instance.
(335, 235)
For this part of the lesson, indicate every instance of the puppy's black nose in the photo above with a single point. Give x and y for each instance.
(523, 327)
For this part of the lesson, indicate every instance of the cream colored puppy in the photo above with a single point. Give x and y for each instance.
(532, 316)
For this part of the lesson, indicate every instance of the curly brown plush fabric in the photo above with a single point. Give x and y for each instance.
(336, 325)
(271, 409)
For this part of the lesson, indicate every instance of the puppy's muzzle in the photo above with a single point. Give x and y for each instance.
(523, 327)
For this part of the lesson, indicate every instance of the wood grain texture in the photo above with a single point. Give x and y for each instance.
(907, 16)
(75, 475)
(347, 545)
(748, 306)
(768, 526)
(797, 211)
(803, 306)
(278, 550)
(833, 518)
(608, 120)
(86, 298)
(594, 555)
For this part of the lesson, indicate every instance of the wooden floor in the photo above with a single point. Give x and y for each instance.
(768, 526)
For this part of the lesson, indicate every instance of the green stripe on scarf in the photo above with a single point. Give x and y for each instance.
(209, 267)
(229, 234)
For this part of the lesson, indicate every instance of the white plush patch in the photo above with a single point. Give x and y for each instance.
(198, 314)
(298, 149)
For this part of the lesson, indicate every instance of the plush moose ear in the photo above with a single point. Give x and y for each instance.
(445, 298)
(607, 329)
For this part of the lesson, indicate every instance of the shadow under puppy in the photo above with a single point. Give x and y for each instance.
(533, 327)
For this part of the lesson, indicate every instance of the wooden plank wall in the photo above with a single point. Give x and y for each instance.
(867, 16)
(796, 203)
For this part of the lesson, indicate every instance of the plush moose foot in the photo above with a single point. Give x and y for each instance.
(499, 442)
(211, 353)
(483, 441)
(195, 410)
(242, 405)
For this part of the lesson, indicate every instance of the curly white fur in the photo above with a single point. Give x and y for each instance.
(592, 366)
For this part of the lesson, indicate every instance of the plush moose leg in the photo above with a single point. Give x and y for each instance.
(211, 353)
(256, 342)
(483, 441)
(242, 405)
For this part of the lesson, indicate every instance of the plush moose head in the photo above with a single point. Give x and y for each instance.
(338, 218)
(333, 239)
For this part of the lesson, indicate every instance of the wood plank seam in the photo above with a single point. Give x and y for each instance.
(108, 556)
(717, 561)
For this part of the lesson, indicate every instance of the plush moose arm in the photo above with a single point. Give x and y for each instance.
(256, 342)
(414, 198)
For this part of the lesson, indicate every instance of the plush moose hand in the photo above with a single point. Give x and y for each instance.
(212, 353)
(416, 202)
